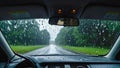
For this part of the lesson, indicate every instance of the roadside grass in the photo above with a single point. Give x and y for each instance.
(24, 49)
(87, 50)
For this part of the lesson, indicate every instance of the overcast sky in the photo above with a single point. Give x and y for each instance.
(52, 29)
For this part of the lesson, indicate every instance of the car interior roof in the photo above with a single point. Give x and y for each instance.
(27, 9)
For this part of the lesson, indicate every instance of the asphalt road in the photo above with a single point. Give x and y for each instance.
(51, 49)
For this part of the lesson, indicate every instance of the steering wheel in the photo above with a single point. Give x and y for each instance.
(29, 62)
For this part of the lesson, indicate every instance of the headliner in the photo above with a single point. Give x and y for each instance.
(49, 7)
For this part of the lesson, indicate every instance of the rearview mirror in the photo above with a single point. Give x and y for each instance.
(64, 21)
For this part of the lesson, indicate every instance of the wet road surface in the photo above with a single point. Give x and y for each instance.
(51, 49)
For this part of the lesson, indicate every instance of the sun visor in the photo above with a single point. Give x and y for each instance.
(22, 12)
(101, 12)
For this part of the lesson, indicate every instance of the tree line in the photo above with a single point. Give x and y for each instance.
(93, 33)
(24, 32)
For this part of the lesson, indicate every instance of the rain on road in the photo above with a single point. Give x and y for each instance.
(51, 49)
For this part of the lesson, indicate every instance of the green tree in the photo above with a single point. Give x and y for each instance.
(94, 33)
(24, 32)
(45, 37)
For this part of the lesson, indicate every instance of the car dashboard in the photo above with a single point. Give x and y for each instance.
(78, 65)
(68, 62)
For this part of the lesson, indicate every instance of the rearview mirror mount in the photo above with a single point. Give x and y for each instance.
(64, 21)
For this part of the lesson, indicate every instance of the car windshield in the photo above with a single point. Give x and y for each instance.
(38, 37)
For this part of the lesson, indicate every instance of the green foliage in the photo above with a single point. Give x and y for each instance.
(45, 37)
(93, 33)
(24, 49)
(24, 32)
